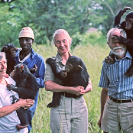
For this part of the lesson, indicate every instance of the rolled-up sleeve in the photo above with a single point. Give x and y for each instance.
(104, 82)
(48, 74)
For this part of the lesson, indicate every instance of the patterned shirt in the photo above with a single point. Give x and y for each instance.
(114, 79)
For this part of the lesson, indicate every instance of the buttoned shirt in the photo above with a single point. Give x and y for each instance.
(113, 78)
(31, 61)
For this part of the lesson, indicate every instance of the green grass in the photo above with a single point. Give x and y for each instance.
(93, 56)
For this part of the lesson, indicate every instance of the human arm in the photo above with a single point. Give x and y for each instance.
(88, 87)
(54, 87)
(104, 98)
(25, 103)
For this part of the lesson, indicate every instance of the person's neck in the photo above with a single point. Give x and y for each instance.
(24, 53)
(120, 56)
(65, 57)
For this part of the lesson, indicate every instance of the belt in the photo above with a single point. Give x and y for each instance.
(120, 101)
(70, 95)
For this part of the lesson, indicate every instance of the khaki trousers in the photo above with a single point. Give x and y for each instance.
(70, 117)
(117, 117)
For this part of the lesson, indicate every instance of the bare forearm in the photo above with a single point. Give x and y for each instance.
(9, 109)
(89, 87)
(104, 97)
(25, 103)
(54, 87)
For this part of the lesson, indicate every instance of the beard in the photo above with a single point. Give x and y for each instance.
(123, 50)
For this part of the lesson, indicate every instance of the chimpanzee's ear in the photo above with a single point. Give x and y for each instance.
(21, 68)
(5, 49)
(79, 67)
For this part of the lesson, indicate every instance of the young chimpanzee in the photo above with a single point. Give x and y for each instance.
(26, 87)
(126, 25)
(10, 51)
(75, 74)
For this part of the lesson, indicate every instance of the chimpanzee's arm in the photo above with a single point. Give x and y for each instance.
(117, 20)
(23, 92)
(54, 67)
(125, 41)
(118, 16)
(27, 89)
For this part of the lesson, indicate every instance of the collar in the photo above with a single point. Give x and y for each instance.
(126, 56)
(32, 53)
(58, 57)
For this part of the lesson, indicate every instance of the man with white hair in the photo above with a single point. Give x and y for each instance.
(117, 93)
(34, 61)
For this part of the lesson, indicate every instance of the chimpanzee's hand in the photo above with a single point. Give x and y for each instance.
(33, 70)
(11, 87)
(119, 39)
(124, 10)
(109, 60)
(63, 74)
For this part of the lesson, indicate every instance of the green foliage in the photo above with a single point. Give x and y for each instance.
(76, 40)
(93, 38)
(46, 16)
(103, 16)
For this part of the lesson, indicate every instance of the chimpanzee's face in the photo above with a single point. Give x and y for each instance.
(13, 52)
(3, 66)
(69, 67)
(129, 23)
(117, 48)
(25, 43)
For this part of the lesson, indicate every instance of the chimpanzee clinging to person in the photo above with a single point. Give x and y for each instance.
(75, 74)
(26, 87)
(126, 25)
(10, 51)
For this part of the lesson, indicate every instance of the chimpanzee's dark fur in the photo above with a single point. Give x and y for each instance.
(26, 87)
(76, 77)
(10, 60)
(125, 41)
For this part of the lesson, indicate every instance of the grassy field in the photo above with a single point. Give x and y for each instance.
(93, 57)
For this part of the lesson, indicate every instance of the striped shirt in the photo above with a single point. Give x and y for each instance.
(114, 79)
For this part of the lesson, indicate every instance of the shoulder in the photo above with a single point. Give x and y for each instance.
(106, 65)
(10, 80)
(36, 56)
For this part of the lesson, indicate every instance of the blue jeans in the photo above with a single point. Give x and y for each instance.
(31, 111)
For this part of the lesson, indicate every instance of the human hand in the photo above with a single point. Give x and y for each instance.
(79, 90)
(25, 103)
(99, 122)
